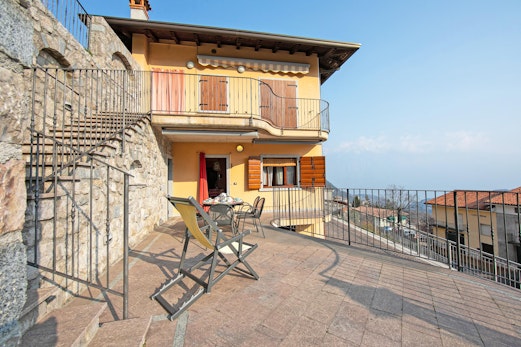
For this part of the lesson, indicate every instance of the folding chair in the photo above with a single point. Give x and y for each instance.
(219, 247)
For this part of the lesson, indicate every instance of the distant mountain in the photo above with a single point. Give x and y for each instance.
(330, 185)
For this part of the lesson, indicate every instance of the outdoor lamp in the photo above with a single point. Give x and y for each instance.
(190, 64)
(241, 69)
(239, 148)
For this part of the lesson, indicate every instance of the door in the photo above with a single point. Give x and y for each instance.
(217, 175)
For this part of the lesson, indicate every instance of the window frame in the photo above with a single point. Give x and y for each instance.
(285, 185)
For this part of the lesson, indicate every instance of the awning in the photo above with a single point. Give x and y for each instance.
(178, 135)
(253, 64)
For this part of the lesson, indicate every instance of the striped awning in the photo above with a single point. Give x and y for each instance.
(253, 64)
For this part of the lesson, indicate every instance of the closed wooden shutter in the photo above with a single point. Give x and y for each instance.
(313, 171)
(278, 102)
(213, 93)
(254, 173)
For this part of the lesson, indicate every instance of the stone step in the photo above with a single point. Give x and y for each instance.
(72, 325)
(48, 150)
(87, 134)
(39, 302)
(129, 332)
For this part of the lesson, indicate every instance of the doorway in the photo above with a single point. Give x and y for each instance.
(217, 175)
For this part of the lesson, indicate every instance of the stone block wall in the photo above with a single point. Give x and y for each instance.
(27, 29)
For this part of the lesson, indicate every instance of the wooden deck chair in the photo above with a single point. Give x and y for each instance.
(232, 251)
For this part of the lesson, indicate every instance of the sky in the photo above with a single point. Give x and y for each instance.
(431, 100)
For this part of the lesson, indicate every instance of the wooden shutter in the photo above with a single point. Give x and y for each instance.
(213, 93)
(254, 173)
(313, 171)
(278, 103)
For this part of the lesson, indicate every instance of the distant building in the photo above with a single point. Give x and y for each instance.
(485, 220)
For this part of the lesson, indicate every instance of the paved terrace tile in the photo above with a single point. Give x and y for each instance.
(317, 293)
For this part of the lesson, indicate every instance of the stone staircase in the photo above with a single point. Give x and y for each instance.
(78, 324)
(53, 316)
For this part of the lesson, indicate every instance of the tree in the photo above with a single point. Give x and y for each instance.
(356, 201)
(400, 200)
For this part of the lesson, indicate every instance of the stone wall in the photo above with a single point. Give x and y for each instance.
(15, 53)
(27, 29)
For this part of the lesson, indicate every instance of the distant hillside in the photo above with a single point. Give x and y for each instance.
(330, 185)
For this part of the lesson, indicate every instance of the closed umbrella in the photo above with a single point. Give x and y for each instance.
(203, 181)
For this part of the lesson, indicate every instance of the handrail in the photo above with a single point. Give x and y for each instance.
(72, 15)
(341, 215)
(178, 93)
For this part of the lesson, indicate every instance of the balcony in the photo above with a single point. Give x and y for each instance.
(182, 101)
(486, 246)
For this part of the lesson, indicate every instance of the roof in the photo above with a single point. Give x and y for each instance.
(512, 197)
(478, 199)
(331, 54)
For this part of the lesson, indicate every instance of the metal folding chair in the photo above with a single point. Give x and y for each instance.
(222, 250)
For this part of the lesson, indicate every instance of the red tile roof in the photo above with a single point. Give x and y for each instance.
(477, 199)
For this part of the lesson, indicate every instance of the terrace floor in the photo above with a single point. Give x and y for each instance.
(316, 293)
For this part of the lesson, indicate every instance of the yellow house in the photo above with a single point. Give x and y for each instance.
(244, 107)
(476, 219)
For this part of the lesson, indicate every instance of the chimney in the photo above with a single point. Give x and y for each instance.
(139, 9)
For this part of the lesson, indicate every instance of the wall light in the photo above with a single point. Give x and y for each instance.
(190, 64)
(239, 148)
(241, 69)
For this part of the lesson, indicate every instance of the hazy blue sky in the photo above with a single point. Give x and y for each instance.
(432, 99)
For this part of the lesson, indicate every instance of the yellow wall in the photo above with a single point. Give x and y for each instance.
(468, 218)
(169, 55)
(186, 166)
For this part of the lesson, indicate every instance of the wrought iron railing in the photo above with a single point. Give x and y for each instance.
(78, 201)
(177, 93)
(472, 231)
(72, 15)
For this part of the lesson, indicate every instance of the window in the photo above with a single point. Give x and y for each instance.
(286, 172)
(485, 230)
(279, 172)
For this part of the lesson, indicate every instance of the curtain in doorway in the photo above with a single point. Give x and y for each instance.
(203, 181)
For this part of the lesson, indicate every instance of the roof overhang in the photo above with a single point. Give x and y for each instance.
(331, 54)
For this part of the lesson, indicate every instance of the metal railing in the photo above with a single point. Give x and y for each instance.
(78, 202)
(477, 232)
(176, 93)
(72, 15)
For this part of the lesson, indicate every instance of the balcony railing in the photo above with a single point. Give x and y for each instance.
(177, 93)
(72, 15)
(476, 232)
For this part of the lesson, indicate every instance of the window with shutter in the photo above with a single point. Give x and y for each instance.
(282, 172)
(313, 171)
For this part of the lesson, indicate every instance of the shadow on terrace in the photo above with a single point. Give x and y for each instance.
(317, 292)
